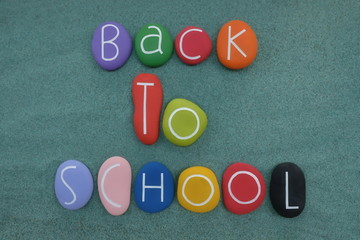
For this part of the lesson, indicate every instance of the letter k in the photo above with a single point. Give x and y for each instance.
(231, 42)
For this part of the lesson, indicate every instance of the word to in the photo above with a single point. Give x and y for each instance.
(183, 121)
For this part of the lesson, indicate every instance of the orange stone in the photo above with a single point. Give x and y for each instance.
(236, 45)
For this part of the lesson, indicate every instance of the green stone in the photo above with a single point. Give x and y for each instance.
(183, 122)
(153, 45)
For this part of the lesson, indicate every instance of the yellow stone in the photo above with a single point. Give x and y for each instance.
(198, 189)
(183, 122)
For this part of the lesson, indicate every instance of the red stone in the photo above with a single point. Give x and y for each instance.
(147, 97)
(243, 188)
(193, 45)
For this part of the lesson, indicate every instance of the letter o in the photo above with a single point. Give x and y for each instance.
(257, 183)
(197, 123)
(204, 202)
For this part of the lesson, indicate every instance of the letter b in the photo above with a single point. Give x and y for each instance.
(111, 45)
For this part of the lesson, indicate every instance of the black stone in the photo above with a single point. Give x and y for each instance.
(296, 190)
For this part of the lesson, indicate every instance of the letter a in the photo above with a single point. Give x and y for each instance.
(152, 35)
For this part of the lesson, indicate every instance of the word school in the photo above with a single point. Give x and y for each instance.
(243, 187)
(236, 45)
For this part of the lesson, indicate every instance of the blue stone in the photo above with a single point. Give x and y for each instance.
(154, 187)
(73, 184)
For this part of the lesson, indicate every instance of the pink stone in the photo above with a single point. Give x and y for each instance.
(114, 185)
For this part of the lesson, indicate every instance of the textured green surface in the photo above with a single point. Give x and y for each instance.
(298, 102)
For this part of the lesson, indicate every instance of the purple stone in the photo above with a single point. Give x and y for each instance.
(111, 45)
(73, 184)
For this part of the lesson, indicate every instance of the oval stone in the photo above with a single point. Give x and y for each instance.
(147, 96)
(73, 184)
(236, 45)
(111, 45)
(154, 187)
(193, 45)
(287, 190)
(114, 185)
(183, 122)
(243, 188)
(153, 45)
(198, 189)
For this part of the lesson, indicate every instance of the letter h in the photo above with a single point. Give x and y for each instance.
(161, 187)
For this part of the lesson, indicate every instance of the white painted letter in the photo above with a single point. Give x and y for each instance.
(230, 42)
(181, 41)
(152, 35)
(211, 186)
(287, 193)
(103, 188)
(67, 185)
(161, 187)
(111, 41)
(257, 183)
(197, 123)
(144, 104)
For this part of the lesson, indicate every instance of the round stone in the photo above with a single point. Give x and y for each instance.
(183, 122)
(243, 188)
(236, 45)
(288, 190)
(193, 45)
(111, 45)
(153, 45)
(114, 185)
(73, 184)
(154, 187)
(198, 189)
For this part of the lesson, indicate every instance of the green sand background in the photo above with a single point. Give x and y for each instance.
(298, 102)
